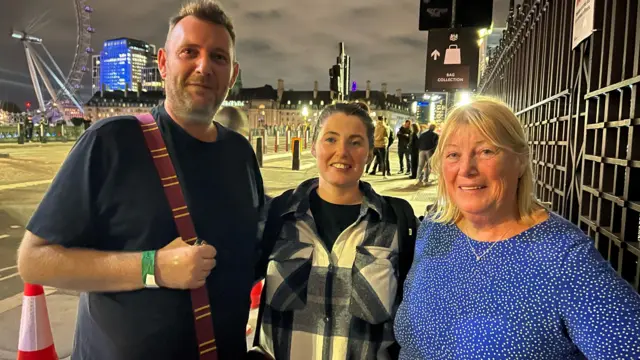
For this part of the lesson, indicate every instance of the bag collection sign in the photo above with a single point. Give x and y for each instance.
(452, 60)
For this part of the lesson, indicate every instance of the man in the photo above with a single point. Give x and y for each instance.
(107, 206)
(380, 144)
(404, 137)
(427, 145)
(234, 119)
(391, 139)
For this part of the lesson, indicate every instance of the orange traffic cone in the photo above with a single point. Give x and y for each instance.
(36, 339)
(255, 295)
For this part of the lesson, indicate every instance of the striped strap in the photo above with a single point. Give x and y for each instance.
(199, 297)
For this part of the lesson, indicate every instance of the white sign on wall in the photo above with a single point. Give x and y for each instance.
(582, 21)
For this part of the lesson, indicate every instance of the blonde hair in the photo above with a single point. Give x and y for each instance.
(500, 126)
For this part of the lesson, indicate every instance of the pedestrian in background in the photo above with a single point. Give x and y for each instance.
(428, 142)
(414, 148)
(404, 139)
(391, 140)
(234, 119)
(380, 143)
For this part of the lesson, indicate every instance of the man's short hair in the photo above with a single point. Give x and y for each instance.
(205, 10)
(380, 118)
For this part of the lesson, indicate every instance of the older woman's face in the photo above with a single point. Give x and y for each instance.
(481, 179)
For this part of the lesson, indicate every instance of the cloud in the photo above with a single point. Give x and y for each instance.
(409, 41)
(265, 15)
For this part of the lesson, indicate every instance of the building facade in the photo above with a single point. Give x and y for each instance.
(106, 104)
(267, 106)
(151, 79)
(122, 61)
(95, 73)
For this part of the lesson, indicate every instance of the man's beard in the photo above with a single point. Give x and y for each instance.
(183, 106)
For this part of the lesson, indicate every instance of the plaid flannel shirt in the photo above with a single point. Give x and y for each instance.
(338, 305)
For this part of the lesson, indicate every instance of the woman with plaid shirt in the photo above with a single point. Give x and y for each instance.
(332, 289)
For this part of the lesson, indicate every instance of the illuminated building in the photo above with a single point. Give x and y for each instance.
(122, 61)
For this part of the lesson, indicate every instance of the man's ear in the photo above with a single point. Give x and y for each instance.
(313, 149)
(162, 63)
(234, 75)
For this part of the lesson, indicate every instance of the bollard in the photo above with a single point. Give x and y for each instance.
(264, 141)
(20, 134)
(295, 162)
(259, 150)
(64, 136)
(43, 138)
(288, 140)
(306, 139)
(276, 143)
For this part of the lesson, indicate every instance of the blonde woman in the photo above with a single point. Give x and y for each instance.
(496, 276)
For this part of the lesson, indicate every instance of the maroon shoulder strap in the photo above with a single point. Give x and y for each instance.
(199, 297)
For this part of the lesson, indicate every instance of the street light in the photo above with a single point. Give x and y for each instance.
(464, 98)
(305, 111)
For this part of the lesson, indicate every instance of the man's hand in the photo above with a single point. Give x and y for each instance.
(182, 266)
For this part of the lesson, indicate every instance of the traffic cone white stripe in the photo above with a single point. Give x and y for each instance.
(34, 338)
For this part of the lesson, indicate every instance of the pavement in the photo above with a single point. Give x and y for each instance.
(29, 169)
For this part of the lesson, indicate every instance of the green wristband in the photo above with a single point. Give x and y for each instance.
(148, 269)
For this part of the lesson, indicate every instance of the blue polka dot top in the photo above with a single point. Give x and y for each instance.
(543, 294)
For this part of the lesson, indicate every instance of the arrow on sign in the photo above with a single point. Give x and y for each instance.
(435, 54)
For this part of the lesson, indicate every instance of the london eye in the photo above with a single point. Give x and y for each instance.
(61, 89)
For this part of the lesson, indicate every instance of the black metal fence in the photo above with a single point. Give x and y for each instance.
(581, 112)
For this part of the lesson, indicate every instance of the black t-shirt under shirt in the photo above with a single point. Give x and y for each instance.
(107, 196)
(331, 219)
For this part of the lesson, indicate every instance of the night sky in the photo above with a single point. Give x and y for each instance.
(296, 40)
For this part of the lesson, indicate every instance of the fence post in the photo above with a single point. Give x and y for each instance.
(288, 140)
(277, 142)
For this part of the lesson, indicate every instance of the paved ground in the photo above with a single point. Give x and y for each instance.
(27, 172)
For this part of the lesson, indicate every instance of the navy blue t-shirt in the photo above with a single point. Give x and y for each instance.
(107, 196)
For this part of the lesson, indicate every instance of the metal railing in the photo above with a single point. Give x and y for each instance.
(581, 112)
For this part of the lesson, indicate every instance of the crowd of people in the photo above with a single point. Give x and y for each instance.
(162, 223)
